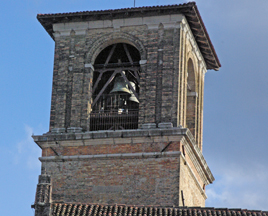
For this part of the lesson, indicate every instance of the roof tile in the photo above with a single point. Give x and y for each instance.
(78, 209)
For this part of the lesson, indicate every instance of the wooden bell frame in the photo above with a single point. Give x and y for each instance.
(119, 59)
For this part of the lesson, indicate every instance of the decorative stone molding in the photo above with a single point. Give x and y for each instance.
(43, 196)
(165, 125)
(43, 191)
(74, 130)
(152, 26)
(148, 125)
(169, 25)
(198, 159)
(89, 66)
(190, 37)
(192, 94)
(111, 38)
(111, 156)
(81, 27)
(58, 130)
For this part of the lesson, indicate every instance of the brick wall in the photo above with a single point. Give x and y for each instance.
(130, 178)
(138, 181)
(140, 170)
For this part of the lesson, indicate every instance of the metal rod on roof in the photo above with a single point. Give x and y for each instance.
(134, 3)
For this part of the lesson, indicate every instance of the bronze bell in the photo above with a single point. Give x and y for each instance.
(133, 98)
(120, 86)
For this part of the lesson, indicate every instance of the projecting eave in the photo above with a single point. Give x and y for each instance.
(189, 10)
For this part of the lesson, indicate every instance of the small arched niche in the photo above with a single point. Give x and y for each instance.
(115, 89)
(192, 95)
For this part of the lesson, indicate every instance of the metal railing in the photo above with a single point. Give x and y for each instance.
(108, 102)
(114, 120)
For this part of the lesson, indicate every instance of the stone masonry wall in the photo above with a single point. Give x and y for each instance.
(159, 46)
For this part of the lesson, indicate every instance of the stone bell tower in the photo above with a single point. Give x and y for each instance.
(127, 108)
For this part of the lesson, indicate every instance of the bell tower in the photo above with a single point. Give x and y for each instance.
(127, 108)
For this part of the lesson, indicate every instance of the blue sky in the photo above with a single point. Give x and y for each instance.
(235, 106)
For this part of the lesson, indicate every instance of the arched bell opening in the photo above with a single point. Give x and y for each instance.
(116, 86)
(192, 95)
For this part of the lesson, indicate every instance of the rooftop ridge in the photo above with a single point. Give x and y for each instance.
(121, 9)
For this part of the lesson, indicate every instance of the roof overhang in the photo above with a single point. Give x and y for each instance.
(189, 10)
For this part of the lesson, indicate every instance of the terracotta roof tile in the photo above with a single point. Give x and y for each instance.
(75, 209)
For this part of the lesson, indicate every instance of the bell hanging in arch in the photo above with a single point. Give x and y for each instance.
(120, 86)
(132, 97)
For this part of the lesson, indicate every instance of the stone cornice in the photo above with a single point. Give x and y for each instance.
(189, 10)
(198, 158)
(131, 136)
(81, 28)
(195, 48)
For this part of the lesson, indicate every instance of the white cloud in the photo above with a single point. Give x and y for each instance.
(240, 186)
(27, 151)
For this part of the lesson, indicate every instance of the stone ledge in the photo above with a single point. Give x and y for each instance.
(112, 156)
(110, 134)
(199, 156)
